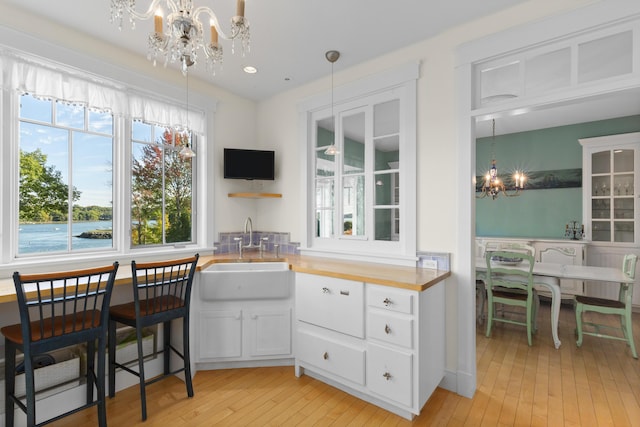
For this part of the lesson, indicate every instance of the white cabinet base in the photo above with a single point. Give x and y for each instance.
(396, 364)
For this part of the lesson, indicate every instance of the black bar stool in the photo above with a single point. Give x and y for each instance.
(161, 293)
(59, 310)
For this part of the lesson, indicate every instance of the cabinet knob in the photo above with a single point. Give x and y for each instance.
(387, 329)
(387, 302)
(387, 376)
(325, 290)
(325, 356)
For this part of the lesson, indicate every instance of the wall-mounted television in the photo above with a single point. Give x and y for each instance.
(249, 164)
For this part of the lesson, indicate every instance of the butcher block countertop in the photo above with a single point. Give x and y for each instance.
(411, 278)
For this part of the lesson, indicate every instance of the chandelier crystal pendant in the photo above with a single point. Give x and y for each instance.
(492, 185)
(184, 36)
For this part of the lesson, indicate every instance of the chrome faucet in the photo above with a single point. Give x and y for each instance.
(239, 240)
(248, 224)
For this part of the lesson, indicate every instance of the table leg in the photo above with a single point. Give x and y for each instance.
(553, 284)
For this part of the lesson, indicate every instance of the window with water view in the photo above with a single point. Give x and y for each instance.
(66, 192)
(65, 187)
(161, 186)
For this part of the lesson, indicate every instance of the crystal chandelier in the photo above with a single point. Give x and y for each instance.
(184, 36)
(492, 185)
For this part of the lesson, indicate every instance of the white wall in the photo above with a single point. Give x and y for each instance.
(437, 141)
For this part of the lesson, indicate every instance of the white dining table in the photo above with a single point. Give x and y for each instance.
(546, 272)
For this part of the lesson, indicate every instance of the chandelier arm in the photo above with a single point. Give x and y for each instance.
(150, 11)
(212, 17)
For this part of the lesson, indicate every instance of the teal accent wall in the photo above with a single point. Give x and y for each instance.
(538, 213)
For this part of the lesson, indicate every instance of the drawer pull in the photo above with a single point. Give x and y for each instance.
(387, 376)
(325, 290)
(387, 302)
(344, 293)
(325, 356)
(387, 329)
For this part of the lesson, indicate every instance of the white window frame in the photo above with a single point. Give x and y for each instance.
(139, 98)
(399, 83)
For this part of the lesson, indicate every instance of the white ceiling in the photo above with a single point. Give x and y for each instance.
(290, 37)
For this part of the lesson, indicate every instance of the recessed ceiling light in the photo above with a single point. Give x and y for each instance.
(250, 70)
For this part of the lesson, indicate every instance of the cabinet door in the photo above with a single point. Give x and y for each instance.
(268, 332)
(391, 328)
(220, 334)
(334, 356)
(610, 183)
(331, 303)
(389, 373)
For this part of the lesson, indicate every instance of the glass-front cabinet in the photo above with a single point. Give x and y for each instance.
(357, 185)
(610, 188)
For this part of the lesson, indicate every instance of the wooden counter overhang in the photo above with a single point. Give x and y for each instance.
(411, 278)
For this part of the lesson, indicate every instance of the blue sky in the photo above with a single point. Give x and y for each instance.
(92, 148)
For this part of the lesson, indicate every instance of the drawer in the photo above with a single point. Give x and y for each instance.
(331, 303)
(389, 299)
(390, 328)
(334, 357)
(389, 374)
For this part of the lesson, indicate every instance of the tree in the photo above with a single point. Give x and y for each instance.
(43, 194)
(146, 196)
(160, 175)
(178, 179)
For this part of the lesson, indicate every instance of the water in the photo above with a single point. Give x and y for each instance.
(51, 237)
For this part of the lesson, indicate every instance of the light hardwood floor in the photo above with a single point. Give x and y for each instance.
(518, 385)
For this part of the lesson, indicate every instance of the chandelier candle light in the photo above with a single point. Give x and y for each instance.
(492, 185)
(185, 31)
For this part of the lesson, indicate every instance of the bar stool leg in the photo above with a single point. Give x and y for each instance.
(30, 389)
(143, 393)
(112, 358)
(102, 402)
(167, 346)
(91, 357)
(9, 382)
(186, 355)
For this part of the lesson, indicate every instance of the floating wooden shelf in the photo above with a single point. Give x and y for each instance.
(257, 195)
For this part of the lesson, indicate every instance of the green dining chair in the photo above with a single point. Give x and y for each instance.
(620, 307)
(481, 249)
(510, 282)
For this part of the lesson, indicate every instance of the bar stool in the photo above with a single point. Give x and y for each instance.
(161, 293)
(59, 310)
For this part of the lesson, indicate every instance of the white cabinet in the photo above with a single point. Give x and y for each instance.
(610, 185)
(609, 188)
(383, 344)
(242, 332)
(220, 334)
